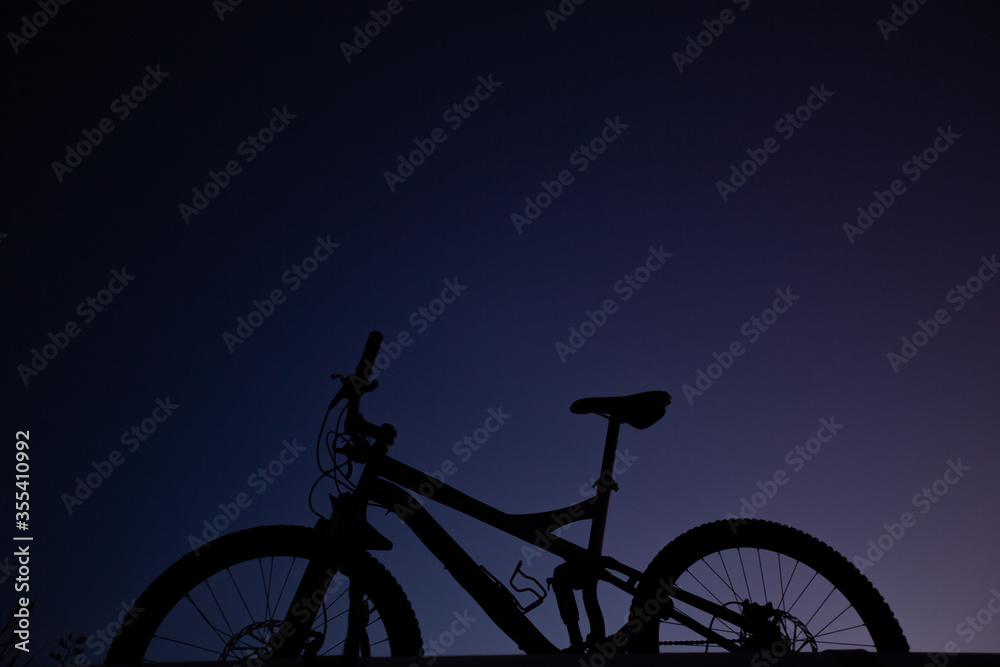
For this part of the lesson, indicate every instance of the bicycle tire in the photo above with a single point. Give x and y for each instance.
(251, 552)
(693, 559)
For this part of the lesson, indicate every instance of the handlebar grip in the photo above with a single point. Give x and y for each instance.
(368, 356)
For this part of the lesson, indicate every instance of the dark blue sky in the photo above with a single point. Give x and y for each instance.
(624, 155)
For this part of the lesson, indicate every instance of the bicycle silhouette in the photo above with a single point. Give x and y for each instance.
(298, 592)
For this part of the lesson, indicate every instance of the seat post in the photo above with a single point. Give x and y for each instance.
(605, 485)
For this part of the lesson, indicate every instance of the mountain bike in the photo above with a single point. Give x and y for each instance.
(299, 592)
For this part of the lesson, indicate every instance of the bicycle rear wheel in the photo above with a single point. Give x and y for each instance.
(229, 599)
(807, 595)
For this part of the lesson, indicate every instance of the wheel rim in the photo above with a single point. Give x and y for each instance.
(808, 612)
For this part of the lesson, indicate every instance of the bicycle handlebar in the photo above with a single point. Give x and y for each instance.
(359, 384)
(368, 356)
(354, 386)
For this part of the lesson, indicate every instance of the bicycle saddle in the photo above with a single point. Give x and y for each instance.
(638, 410)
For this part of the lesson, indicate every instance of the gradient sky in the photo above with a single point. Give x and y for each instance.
(518, 289)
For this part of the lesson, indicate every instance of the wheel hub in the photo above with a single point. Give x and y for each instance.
(777, 630)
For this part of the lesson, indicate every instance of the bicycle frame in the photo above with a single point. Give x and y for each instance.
(389, 483)
(381, 487)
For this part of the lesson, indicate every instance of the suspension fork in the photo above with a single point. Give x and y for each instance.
(335, 536)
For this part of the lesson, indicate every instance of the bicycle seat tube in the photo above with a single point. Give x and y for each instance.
(605, 485)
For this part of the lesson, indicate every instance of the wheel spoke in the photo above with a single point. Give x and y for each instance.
(781, 586)
(739, 553)
(218, 632)
(707, 589)
(287, 577)
(785, 590)
(811, 579)
(822, 632)
(852, 644)
(727, 582)
(763, 581)
(832, 591)
(266, 583)
(183, 643)
(239, 591)
(729, 578)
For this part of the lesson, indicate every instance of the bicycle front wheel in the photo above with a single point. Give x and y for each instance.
(226, 602)
(804, 595)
